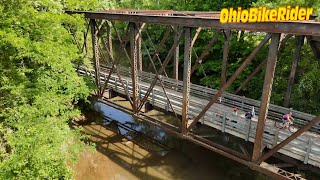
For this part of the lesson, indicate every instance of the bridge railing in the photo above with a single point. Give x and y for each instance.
(231, 100)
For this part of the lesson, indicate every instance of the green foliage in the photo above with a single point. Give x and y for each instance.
(39, 87)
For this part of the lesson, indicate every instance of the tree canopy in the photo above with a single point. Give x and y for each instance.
(39, 87)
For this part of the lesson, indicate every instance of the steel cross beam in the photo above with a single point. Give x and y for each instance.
(161, 44)
(283, 40)
(158, 78)
(186, 78)
(252, 75)
(121, 41)
(267, 88)
(205, 52)
(95, 45)
(108, 45)
(162, 69)
(226, 49)
(114, 68)
(298, 27)
(229, 82)
(295, 60)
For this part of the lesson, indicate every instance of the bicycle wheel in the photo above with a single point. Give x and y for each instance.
(292, 128)
(278, 124)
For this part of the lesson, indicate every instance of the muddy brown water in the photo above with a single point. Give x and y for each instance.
(130, 149)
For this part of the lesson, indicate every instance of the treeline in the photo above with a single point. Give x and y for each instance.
(39, 87)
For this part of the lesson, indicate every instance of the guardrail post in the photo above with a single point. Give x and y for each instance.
(115, 84)
(242, 103)
(306, 158)
(224, 119)
(140, 92)
(203, 118)
(248, 129)
(186, 79)
(276, 137)
(152, 97)
(127, 85)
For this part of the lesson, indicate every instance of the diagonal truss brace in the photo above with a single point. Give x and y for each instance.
(232, 78)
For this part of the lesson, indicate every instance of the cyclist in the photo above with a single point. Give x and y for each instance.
(287, 118)
(249, 115)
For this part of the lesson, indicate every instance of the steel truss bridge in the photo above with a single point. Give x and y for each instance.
(191, 103)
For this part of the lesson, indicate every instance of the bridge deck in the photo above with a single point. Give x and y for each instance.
(305, 148)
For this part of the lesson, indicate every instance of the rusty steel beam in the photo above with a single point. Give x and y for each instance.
(121, 42)
(85, 34)
(134, 65)
(252, 75)
(108, 45)
(161, 44)
(195, 36)
(139, 52)
(288, 140)
(175, 74)
(107, 80)
(266, 93)
(230, 80)
(221, 147)
(206, 51)
(186, 78)
(298, 27)
(283, 40)
(165, 63)
(115, 63)
(295, 59)
(95, 45)
(158, 77)
(109, 39)
(226, 49)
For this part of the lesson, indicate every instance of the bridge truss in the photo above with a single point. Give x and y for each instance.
(181, 26)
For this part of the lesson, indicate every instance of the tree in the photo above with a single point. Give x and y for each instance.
(39, 87)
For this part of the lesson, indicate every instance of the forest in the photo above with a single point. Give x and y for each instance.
(40, 89)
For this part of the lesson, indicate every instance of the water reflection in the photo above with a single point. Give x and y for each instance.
(151, 137)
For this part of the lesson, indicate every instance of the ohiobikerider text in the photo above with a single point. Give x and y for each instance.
(262, 14)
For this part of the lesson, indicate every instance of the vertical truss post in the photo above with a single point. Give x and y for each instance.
(295, 59)
(139, 50)
(95, 47)
(226, 49)
(134, 65)
(186, 78)
(267, 88)
(109, 41)
(176, 55)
